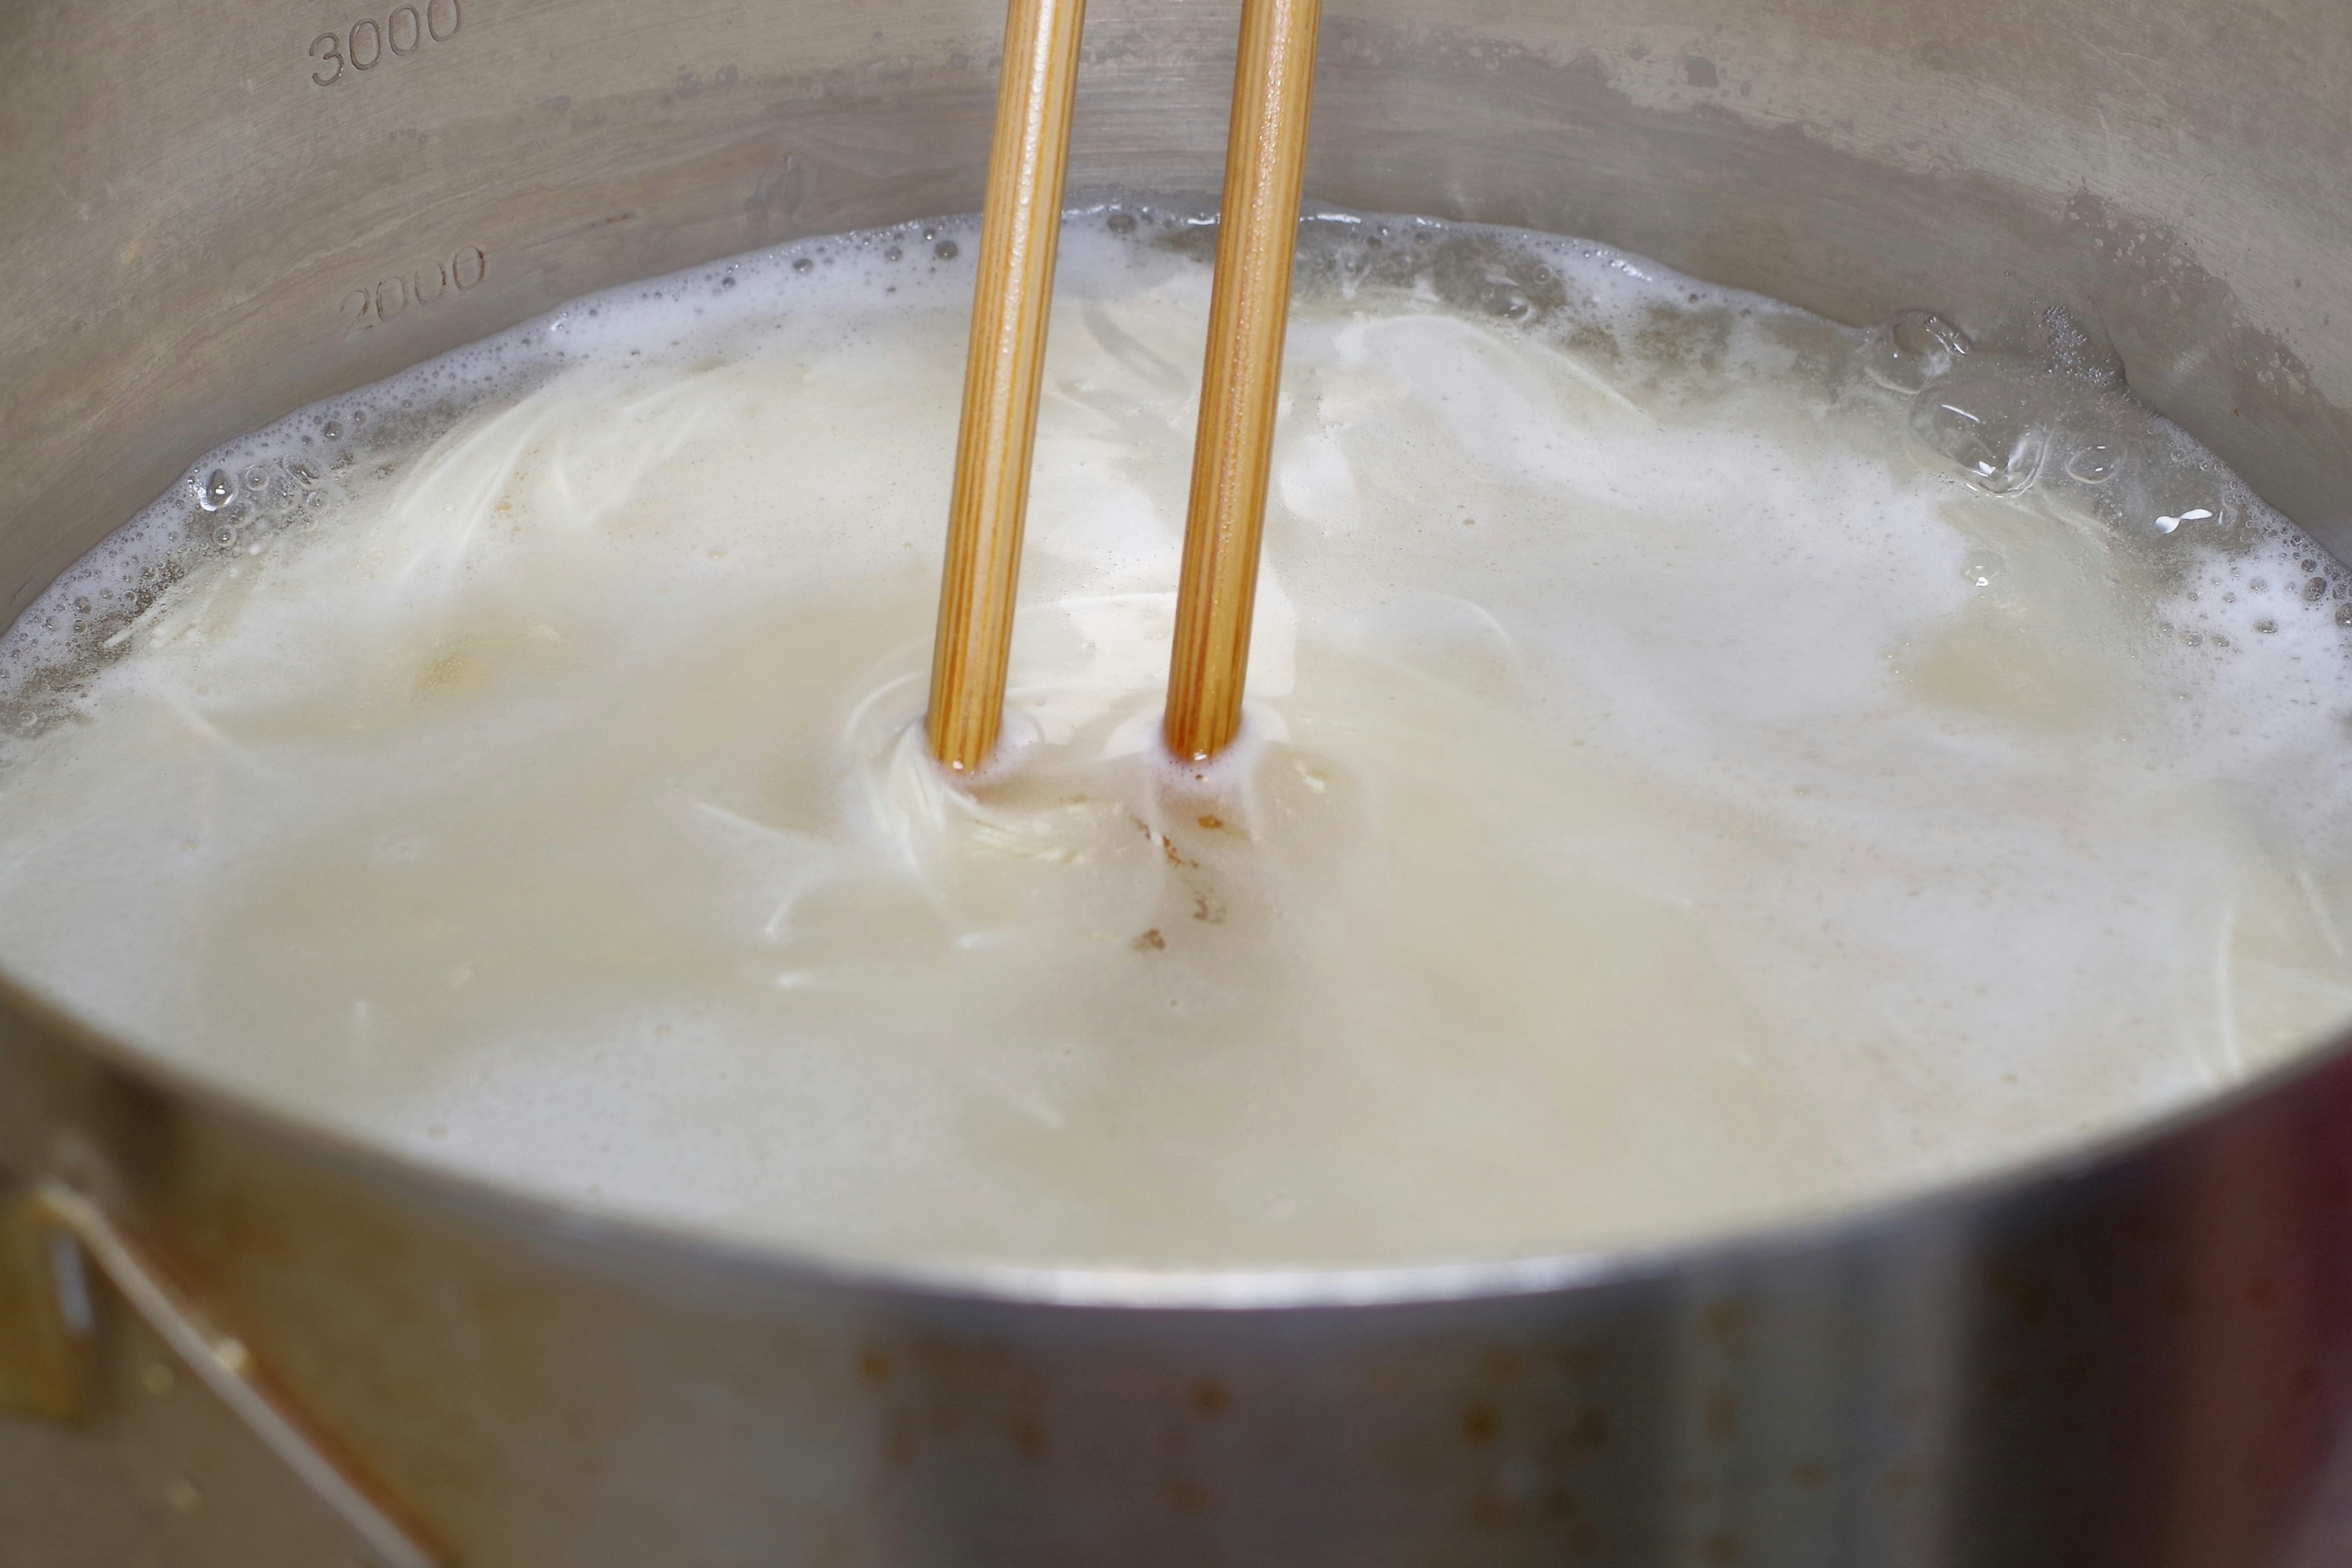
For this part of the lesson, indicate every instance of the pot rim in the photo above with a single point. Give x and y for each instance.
(1253, 1289)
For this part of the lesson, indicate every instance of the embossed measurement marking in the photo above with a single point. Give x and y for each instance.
(363, 45)
(426, 285)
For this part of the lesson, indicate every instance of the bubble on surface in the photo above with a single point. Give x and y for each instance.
(2095, 463)
(1913, 348)
(1985, 431)
(2166, 495)
(1981, 570)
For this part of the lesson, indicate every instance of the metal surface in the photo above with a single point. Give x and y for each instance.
(212, 213)
(71, 1228)
(45, 1316)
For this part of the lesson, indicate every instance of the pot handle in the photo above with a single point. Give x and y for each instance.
(49, 1235)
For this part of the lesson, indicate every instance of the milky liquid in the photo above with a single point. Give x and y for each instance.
(1704, 765)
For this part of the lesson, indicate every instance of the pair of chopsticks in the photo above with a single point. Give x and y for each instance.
(1021, 226)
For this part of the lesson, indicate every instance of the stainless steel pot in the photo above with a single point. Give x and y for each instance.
(2141, 1356)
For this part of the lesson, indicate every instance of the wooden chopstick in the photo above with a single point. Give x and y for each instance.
(1249, 309)
(1021, 229)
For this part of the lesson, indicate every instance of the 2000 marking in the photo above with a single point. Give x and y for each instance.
(426, 285)
(362, 47)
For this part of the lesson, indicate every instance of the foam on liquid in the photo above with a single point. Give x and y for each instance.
(1704, 765)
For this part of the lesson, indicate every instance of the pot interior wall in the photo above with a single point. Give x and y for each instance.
(210, 216)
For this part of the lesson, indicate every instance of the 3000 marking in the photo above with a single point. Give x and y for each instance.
(426, 285)
(362, 47)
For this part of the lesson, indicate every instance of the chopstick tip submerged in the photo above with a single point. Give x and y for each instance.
(1019, 232)
(1249, 313)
